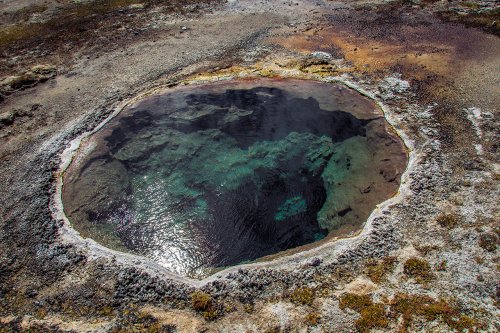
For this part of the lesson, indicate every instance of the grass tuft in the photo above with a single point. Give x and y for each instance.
(200, 300)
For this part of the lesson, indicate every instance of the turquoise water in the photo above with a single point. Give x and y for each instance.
(291, 207)
(201, 179)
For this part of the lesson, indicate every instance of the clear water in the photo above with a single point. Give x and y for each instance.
(211, 177)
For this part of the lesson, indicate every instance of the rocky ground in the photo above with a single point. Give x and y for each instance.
(426, 261)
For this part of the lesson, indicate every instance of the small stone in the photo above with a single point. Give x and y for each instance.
(315, 262)
(325, 56)
(6, 118)
(136, 6)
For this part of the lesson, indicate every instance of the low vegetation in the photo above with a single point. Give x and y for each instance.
(133, 319)
(302, 296)
(204, 304)
(312, 318)
(408, 307)
(418, 269)
(488, 20)
(372, 315)
(404, 309)
(377, 270)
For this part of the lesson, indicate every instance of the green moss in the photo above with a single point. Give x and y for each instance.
(211, 314)
(201, 301)
(418, 269)
(355, 302)
(410, 306)
(205, 305)
(373, 316)
(302, 296)
(377, 270)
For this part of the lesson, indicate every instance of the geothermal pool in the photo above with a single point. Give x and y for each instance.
(201, 177)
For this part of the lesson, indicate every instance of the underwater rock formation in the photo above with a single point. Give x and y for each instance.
(217, 176)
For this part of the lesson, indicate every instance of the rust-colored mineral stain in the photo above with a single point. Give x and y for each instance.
(415, 46)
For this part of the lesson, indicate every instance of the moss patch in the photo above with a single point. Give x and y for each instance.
(134, 320)
(312, 318)
(372, 315)
(377, 270)
(355, 302)
(302, 296)
(205, 305)
(200, 300)
(408, 307)
(418, 269)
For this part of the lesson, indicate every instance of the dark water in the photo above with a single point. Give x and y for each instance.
(197, 180)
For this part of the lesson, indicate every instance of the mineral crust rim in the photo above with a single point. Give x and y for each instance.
(336, 246)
